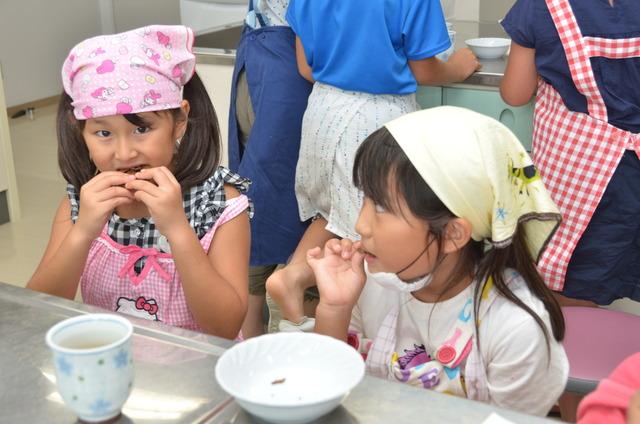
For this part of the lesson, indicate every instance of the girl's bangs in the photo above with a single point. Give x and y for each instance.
(375, 166)
(137, 120)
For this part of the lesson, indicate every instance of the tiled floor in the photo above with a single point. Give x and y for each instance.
(41, 187)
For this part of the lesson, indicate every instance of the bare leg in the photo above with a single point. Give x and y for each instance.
(274, 315)
(253, 324)
(287, 285)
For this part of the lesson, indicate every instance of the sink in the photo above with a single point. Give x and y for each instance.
(205, 16)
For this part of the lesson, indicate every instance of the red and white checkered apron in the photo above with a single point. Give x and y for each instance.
(110, 282)
(577, 153)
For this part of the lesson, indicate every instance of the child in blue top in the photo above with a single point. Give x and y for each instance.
(586, 136)
(366, 58)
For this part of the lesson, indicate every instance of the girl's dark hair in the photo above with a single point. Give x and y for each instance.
(196, 159)
(379, 158)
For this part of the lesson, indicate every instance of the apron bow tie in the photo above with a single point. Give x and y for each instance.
(134, 254)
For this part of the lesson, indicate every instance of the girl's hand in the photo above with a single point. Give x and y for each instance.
(339, 272)
(98, 198)
(465, 62)
(159, 190)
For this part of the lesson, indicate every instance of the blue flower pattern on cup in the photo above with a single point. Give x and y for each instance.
(121, 363)
(64, 366)
(100, 406)
(121, 359)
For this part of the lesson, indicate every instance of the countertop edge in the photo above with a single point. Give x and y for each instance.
(214, 56)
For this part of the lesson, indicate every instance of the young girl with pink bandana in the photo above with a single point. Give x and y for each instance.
(138, 143)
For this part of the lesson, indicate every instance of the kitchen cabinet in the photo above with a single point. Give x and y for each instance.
(485, 100)
(9, 204)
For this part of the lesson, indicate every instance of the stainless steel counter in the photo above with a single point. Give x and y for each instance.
(218, 48)
(380, 401)
(174, 380)
(174, 368)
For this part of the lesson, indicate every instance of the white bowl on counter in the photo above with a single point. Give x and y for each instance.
(489, 47)
(289, 377)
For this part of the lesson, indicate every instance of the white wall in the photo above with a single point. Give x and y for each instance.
(217, 80)
(467, 10)
(494, 10)
(35, 37)
(130, 14)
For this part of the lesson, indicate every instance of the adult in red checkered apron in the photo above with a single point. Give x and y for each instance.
(577, 153)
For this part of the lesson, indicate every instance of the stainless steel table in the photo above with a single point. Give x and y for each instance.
(380, 401)
(175, 380)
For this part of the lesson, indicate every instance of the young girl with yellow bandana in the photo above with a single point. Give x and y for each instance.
(442, 291)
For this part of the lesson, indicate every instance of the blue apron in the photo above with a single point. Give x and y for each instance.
(279, 98)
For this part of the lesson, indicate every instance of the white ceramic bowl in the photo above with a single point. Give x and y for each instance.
(489, 48)
(289, 377)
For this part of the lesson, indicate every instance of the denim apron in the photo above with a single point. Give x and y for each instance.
(278, 95)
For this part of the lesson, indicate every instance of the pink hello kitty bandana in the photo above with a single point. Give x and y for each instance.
(141, 70)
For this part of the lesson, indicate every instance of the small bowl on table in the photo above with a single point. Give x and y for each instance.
(290, 377)
(489, 47)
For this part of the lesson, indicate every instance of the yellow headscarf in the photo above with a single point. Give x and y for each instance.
(481, 172)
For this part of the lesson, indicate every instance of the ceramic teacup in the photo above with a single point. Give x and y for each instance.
(94, 364)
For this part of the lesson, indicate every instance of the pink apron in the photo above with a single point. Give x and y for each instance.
(576, 153)
(110, 282)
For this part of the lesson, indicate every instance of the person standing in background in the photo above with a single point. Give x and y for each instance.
(366, 59)
(586, 137)
(268, 100)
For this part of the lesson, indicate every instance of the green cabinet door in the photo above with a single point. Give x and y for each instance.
(488, 102)
(483, 100)
(429, 96)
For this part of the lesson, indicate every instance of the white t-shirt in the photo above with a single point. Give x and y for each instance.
(512, 345)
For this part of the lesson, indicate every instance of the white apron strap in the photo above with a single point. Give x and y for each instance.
(475, 369)
(377, 363)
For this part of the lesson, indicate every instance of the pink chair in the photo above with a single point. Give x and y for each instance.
(596, 341)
